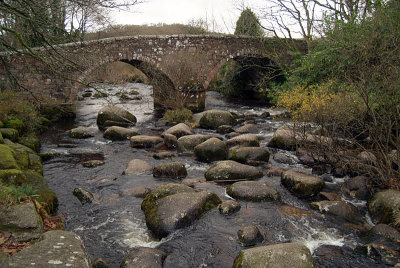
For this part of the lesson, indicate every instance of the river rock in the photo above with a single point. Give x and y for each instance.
(99, 263)
(192, 182)
(385, 207)
(143, 141)
(83, 195)
(342, 209)
(386, 231)
(92, 163)
(302, 184)
(22, 221)
(246, 154)
(229, 207)
(179, 130)
(278, 255)
(249, 235)
(283, 138)
(139, 192)
(211, 150)
(163, 155)
(137, 166)
(215, 118)
(330, 196)
(116, 133)
(173, 206)
(142, 257)
(170, 141)
(231, 171)
(31, 141)
(255, 191)
(115, 116)
(187, 143)
(244, 140)
(81, 133)
(55, 249)
(275, 172)
(247, 128)
(225, 129)
(357, 187)
(9, 133)
(174, 170)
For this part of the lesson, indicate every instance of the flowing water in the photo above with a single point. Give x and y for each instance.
(115, 224)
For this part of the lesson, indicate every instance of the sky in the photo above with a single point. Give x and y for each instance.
(223, 12)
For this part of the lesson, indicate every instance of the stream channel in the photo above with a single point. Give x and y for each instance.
(116, 224)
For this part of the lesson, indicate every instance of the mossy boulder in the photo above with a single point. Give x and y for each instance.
(174, 170)
(214, 118)
(301, 184)
(15, 123)
(275, 256)
(283, 138)
(171, 207)
(179, 130)
(7, 160)
(244, 140)
(384, 207)
(58, 111)
(12, 176)
(250, 154)
(231, 171)
(115, 116)
(187, 143)
(31, 141)
(255, 191)
(211, 150)
(1, 139)
(10, 133)
(116, 133)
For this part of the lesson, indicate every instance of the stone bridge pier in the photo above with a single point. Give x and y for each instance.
(173, 63)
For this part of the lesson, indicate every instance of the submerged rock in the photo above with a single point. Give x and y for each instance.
(255, 191)
(215, 118)
(56, 248)
(116, 133)
(302, 184)
(137, 166)
(229, 207)
(174, 170)
(81, 133)
(278, 255)
(211, 150)
(92, 163)
(385, 207)
(115, 116)
(232, 171)
(83, 195)
(179, 130)
(144, 257)
(143, 141)
(173, 206)
(250, 235)
(244, 140)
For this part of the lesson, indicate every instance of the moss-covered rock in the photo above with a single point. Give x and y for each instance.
(1, 139)
(255, 191)
(15, 123)
(302, 184)
(10, 133)
(12, 176)
(187, 143)
(81, 133)
(215, 118)
(30, 141)
(179, 130)
(247, 154)
(7, 160)
(211, 150)
(231, 171)
(244, 140)
(21, 155)
(58, 111)
(174, 170)
(385, 207)
(143, 141)
(115, 116)
(116, 133)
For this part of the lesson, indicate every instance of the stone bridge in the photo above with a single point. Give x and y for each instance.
(168, 61)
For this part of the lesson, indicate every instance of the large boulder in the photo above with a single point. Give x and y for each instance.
(385, 207)
(81, 133)
(143, 141)
(342, 209)
(231, 171)
(116, 133)
(115, 116)
(179, 130)
(56, 248)
(174, 170)
(357, 187)
(284, 138)
(244, 140)
(173, 206)
(302, 184)
(211, 150)
(22, 221)
(255, 191)
(250, 154)
(187, 143)
(144, 258)
(275, 256)
(215, 118)
(137, 166)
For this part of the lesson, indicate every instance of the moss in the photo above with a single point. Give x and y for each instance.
(35, 163)
(1, 139)
(7, 160)
(1, 124)
(31, 142)
(12, 176)
(15, 123)
(21, 156)
(238, 260)
(212, 201)
(10, 133)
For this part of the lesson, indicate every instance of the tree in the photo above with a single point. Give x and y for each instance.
(248, 24)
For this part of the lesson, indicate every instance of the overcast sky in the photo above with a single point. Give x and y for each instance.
(224, 12)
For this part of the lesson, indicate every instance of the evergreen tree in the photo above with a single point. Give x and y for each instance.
(248, 24)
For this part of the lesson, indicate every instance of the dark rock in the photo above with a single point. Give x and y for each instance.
(179, 130)
(58, 111)
(330, 196)
(142, 257)
(283, 158)
(81, 133)
(174, 170)
(357, 187)
(229, 207)
(321, 169)
(92, 163)
(293, 212)
(163, 155)
(250, 235)
(232, 171)
(278, 255)
(56, 248)
(231, 135)
(302, 184)
(244, 140)
(275, 172)
(116, 133)
(246, 154)
(83, 195)
(211, 150)
(115, 116)
(342, 209)
(255, 191)
(99, 263)
(170, 141)
(137, 166)
(67, 145)
(215, 118)
(143, 141)
(225, 129)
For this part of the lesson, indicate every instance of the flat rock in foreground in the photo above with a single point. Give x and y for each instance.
(232, 171)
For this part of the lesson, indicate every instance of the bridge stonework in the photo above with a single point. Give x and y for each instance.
(204, 55)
